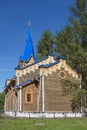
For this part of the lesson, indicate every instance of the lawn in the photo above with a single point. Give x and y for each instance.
(43, 124)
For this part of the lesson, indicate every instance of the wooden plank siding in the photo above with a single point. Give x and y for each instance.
(30, 106)
(54, 98)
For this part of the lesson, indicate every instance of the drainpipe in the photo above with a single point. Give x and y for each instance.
(20, 99)
(81, 95)
(5, 103)
(38, 97)
(13, 103)
(42, 93)
(17, 82)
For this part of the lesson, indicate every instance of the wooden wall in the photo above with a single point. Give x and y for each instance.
(30, 106)
(55, 100)
(11, 101)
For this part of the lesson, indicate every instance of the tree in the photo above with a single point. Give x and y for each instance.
(2, 97)
(70, 87)
(65, 42)
(45, 44)
(66, 35)
(79, 96)
(79, 101)
(66, 45)
(71, 42)
(78, 21)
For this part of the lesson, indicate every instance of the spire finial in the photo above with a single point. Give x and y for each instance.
(29, 23)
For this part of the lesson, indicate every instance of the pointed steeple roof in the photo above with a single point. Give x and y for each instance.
(29, 50)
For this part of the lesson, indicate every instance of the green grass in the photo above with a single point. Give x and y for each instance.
(43, 124)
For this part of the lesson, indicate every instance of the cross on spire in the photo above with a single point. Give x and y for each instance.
(29, 23)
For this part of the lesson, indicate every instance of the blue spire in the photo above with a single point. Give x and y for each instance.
(29, 50)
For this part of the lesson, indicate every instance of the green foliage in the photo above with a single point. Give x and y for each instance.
(79, 95)
(76, 55)
(79, 25)
(2, 97)
(65, 44)
(71, 41)
(45, 44)
(79, 21)
(66, 35)
(70, 87)
(79, 100)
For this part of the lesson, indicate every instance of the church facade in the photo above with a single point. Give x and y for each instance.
(38, 84)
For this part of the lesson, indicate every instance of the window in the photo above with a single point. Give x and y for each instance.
(62, 74)
(29, 96)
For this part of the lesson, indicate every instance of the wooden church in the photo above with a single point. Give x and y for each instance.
(37, 85)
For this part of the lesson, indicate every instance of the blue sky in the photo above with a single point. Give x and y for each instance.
(14, 16)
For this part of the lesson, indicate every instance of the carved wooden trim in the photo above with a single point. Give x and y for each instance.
(62, 74)
(27, 93)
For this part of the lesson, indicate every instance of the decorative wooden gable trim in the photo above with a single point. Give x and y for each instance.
(62, 74)
(30, 61)
(28, 95)
(63, 67)
(34, 67)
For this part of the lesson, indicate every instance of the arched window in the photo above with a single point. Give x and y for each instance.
(29, 96)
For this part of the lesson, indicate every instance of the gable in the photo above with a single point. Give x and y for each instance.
(30, 61)
(63, 67)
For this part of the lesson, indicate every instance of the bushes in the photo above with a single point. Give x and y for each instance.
(2, 98)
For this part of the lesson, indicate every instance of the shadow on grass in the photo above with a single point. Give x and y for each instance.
(3, 116)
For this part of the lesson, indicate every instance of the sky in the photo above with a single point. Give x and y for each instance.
(14, 16)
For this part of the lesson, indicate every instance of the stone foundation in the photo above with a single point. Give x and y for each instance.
(45, 114)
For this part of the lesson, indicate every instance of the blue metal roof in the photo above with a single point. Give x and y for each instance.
(23, 83)
(36, 61)
(49, 65)
(62, 57)
(29, 50)
(27, 81)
